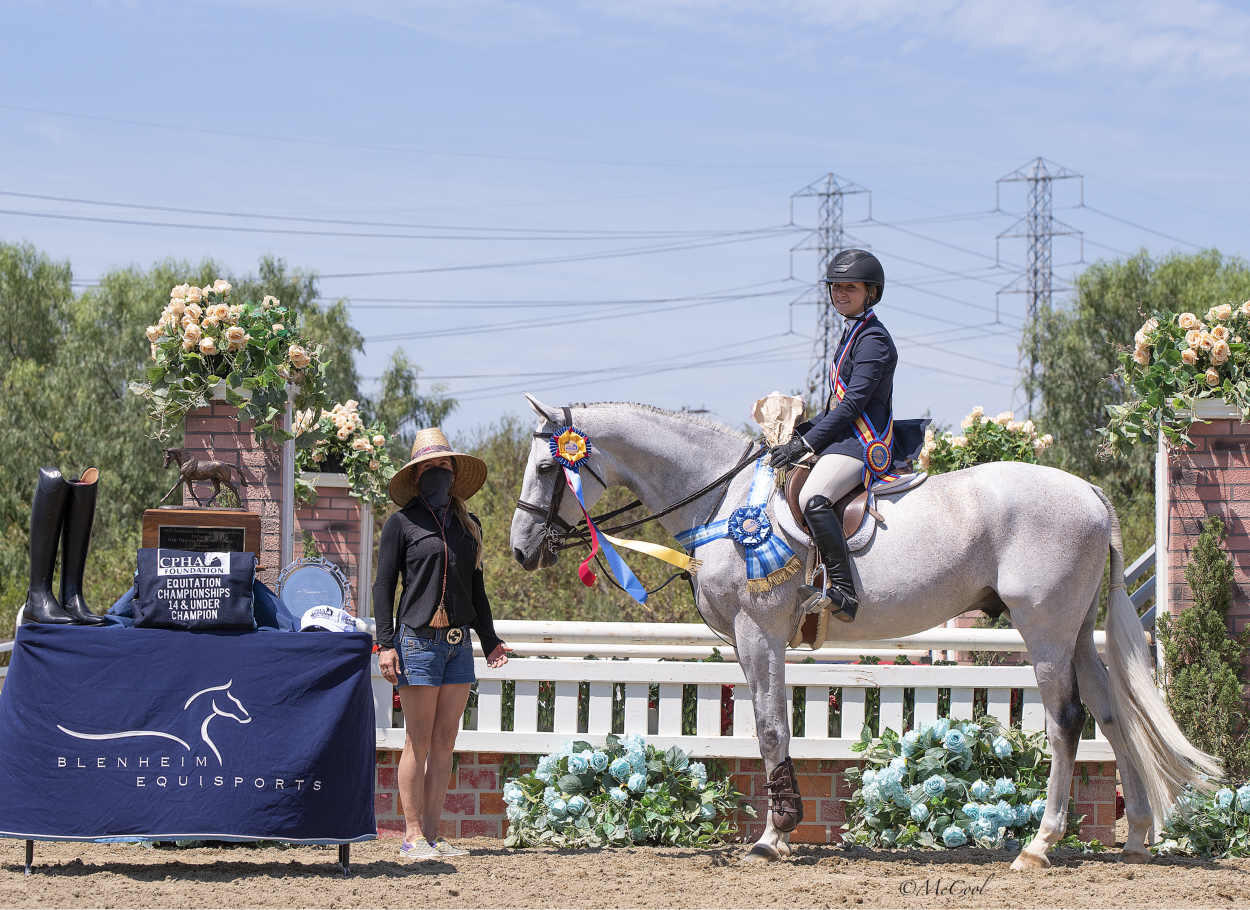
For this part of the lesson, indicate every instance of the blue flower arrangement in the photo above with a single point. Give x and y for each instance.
(622, 794)
(1208, 824)
(954, 783)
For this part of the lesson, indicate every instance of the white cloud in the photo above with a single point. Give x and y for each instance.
(1191, 40)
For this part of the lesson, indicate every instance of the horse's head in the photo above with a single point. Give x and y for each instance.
(546, 506)
(171, 456)
(233, 707)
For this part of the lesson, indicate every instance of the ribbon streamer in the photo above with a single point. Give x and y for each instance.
(624, 575)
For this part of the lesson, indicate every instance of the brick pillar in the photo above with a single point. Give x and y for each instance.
(334, 521)
(1210, 478)
(217, 433)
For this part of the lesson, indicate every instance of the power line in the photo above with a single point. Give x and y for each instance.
(401, 149)
(558, 233)
(362, 235)
(1141, 227)
(438, 303)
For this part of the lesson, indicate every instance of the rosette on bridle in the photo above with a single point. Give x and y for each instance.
(770, 561)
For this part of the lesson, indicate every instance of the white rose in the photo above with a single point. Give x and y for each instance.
(959, 441)
(966, 423)
(1038, 446)
(1048, 440)
(977, 413)
(268, 302)
(1029, 427)
(1004, 418)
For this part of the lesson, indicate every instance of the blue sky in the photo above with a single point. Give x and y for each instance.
(649, 148)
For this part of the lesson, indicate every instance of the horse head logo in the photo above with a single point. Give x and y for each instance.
(221, 701)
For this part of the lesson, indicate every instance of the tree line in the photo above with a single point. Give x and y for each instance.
(66, 359)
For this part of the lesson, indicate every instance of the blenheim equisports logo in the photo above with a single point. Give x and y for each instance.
(219, 699)
(192, 564)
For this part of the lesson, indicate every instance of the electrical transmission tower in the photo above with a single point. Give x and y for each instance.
(1039, 227)
(826, 240)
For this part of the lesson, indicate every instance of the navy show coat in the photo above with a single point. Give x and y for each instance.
(868, 375)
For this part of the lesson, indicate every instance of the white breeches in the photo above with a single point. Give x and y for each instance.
(833, 476)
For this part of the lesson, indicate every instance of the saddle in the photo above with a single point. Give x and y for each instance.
(855, 510)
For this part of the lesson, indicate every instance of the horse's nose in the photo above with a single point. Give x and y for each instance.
(518, 555)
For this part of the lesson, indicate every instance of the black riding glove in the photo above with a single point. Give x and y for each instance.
(788, 452)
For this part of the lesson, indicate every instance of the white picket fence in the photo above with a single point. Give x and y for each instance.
(632, 684)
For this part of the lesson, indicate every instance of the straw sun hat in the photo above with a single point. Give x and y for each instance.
(431, 444)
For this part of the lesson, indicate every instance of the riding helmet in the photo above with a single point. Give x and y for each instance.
(857, 265)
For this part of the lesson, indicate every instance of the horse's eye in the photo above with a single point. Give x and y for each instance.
(546, 467)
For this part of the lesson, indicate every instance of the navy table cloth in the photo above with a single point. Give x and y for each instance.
(127, 733)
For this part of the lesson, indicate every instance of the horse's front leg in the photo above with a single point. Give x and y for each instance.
(762, 655)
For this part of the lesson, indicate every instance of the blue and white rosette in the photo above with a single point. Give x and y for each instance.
(770, 561)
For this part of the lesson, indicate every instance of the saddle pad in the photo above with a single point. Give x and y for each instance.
(867, 528)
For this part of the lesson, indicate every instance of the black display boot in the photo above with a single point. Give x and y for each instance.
(46, 513)
(75, 539)
(837, 594)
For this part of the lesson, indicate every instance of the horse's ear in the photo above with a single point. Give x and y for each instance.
(540, 409)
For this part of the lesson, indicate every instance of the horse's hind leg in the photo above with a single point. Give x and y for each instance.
(763, 659)
(1096, 688)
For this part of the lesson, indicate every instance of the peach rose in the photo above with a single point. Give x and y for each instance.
(210, 322)
(236, 336)
(1014, 426)
(1193, 338)
(1223, 311)
(193, 294)
(1029, 427)
(1207, 342)
(1212, 377)
(1004, 418)
(177, 307)
(1187, 321)
(1245, 308)
(360, 444)
(269, 301)
(278, 327)
(208, 347)
(379, 440)
(1189, 356)
(298, 356)
(1220, 333)
(1142, 357)
(959, 442)
(343, 433)
(192, 332)
(153, 332)
(1220, 352)
(195, 310)
(374, 465)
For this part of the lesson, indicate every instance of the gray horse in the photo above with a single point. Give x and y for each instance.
(1030, 539)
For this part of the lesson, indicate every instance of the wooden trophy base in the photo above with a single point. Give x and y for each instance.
(202, 530)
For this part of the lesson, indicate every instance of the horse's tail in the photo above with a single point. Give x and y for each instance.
(1167, 762)
(242, 477)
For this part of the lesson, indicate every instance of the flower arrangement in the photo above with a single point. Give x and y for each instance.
(1177, 360)
(983, 440)
(341, 439)
(623, 794)
(1208, 824)
(948, 784)
(202, 340)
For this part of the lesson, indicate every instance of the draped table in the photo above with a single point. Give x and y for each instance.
(117, 734)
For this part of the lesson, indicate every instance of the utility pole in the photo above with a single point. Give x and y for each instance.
(827, 239)
(1039, 228)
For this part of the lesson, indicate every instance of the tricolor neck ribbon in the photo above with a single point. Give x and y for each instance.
(770, 561)
(878, 447)
(570, 447)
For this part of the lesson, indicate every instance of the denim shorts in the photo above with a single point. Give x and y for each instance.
(433, 662)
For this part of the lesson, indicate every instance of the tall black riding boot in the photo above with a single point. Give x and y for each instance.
(46, 513)
(827, 534)
(75, 539)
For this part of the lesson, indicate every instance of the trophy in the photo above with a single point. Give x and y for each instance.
(201, 528)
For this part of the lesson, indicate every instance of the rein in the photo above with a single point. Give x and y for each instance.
(560, 535)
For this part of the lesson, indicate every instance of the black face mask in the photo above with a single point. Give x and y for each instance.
(435, 486)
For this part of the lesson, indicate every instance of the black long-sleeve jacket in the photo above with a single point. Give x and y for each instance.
(868, 373)
(411, 545)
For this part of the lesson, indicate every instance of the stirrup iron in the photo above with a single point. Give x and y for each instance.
(817, 599)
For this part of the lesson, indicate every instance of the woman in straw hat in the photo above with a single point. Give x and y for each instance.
(423, 643)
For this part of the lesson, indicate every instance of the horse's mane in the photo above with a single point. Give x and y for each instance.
(685, 415)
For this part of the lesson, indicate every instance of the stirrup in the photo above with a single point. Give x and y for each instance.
(817, 599)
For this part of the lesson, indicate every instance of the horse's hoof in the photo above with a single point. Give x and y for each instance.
(1029, 862)
(784, 849)
(1135, 856)
(761, 853)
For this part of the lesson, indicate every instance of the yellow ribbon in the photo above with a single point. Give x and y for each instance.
(659, 551)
